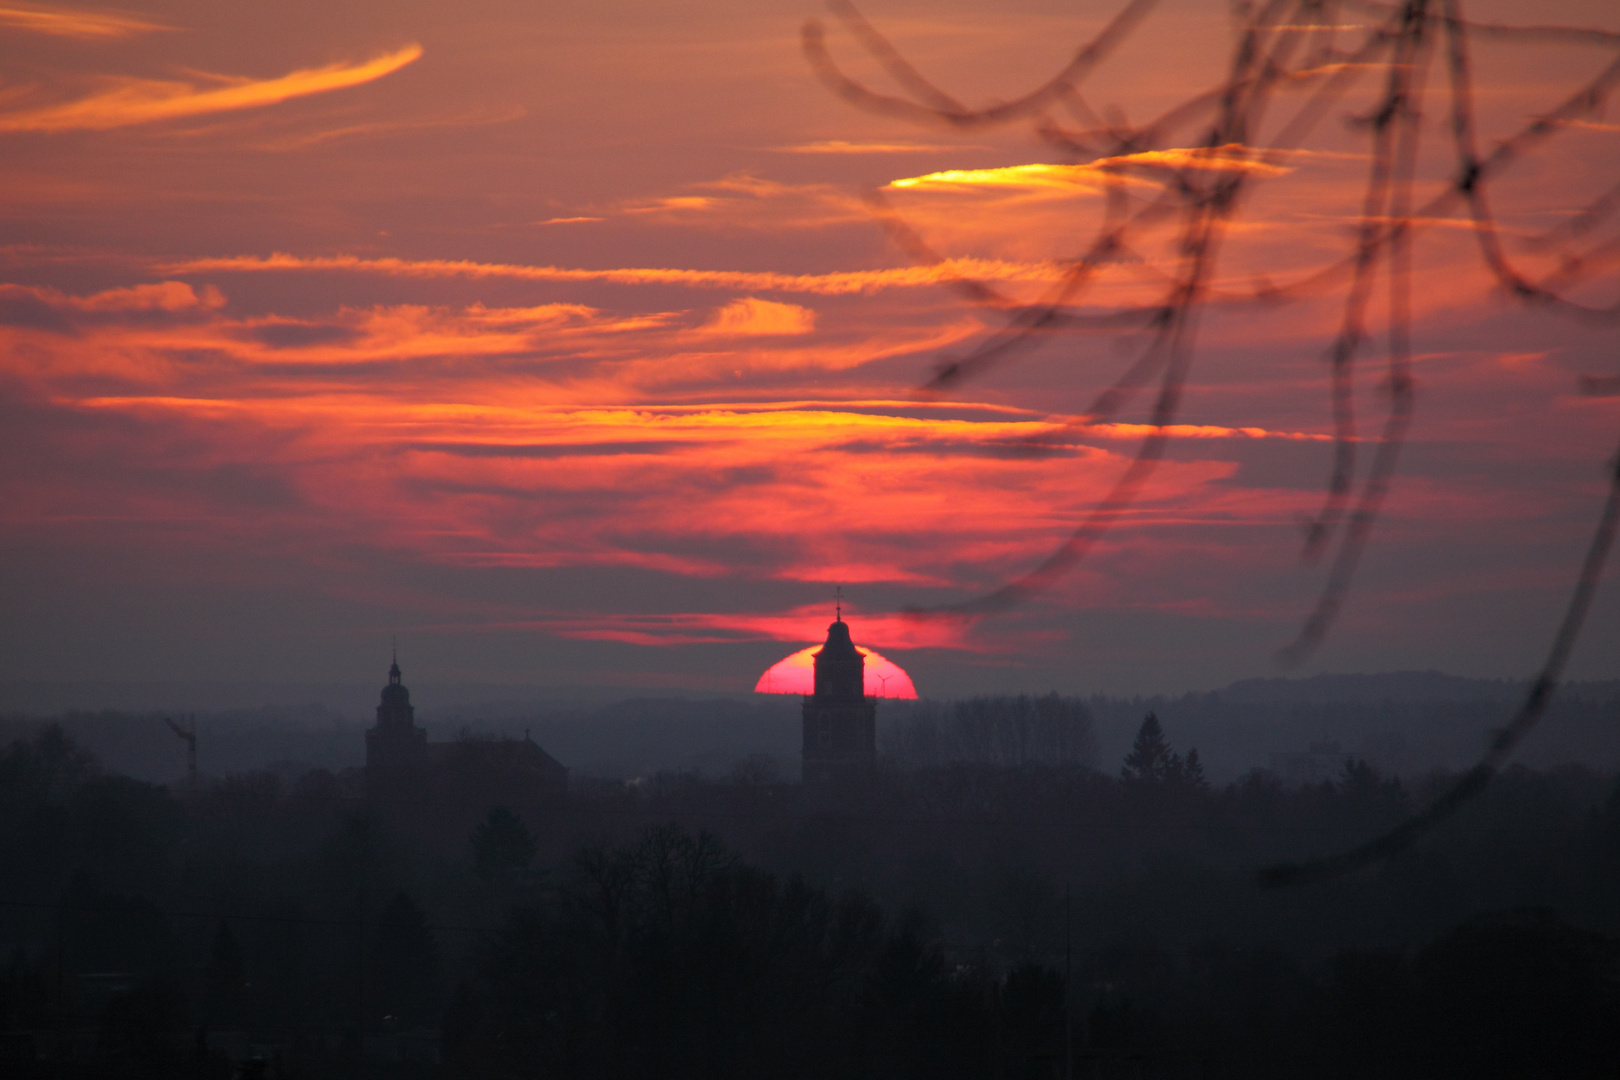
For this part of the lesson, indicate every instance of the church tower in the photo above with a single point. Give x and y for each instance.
(840, 721)
(396, 749)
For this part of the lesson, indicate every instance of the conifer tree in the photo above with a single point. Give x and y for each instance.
(1151, 759)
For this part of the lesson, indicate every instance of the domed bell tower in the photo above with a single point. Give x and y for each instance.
(396, 749)
(840, 721)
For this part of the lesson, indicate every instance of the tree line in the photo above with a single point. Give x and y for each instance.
(915, 925)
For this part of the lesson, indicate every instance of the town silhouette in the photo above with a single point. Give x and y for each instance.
(946, 889)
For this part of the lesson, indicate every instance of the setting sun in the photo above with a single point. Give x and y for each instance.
(796, 673)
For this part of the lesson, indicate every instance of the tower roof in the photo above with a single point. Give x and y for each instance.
(395, 693)
(840, 668)
(838, 639)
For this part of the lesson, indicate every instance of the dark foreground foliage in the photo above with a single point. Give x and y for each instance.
(670, 958)
(914, 926)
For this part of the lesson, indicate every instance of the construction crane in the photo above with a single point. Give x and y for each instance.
(188, 732)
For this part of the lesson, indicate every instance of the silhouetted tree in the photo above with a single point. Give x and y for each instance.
(1004, 731)
(502, 845)
(1151, 759)
(405, 964)
(1356, 776)
(1192, 770)
(47, 768)
(356, 858)
(670, 958)
(1519, 994)
(755, 769)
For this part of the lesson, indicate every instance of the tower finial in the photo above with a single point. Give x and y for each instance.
(838, 610)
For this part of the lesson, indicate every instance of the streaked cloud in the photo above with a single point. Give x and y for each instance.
(807, 623)
(839, 146)
(1008, 176)
(1091, 175)
(162, 296)
(453, 455)
(745, 200)
(673, 202)
(125, 101)
(453, 404)
(830, 284)
(67, 22)
(382, 128)
(51, 309)
(1202, 431)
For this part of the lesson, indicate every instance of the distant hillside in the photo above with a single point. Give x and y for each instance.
(640, 736)
(1399, 686)
(1406, 723)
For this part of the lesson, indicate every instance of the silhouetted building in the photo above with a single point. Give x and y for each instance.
(840, 721)
(396, 749)
(449, 785)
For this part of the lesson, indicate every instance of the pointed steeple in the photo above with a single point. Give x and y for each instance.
(840, 668)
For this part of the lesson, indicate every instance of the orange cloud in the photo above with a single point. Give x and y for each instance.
(1201, 431)
(50, 310)
(525, 438)
(1090, 175)
(65, 22)
(127, 101)
(673, 202)
(585, 354)
(163, 296)
(461, 467)
(751, 315)
(1024, 177)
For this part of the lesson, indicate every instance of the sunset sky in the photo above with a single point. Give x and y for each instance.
(563, 342)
